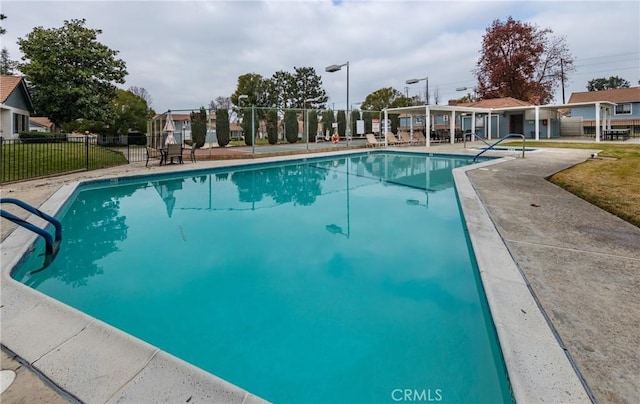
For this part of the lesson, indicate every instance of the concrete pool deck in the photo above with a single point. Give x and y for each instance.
(582, 264)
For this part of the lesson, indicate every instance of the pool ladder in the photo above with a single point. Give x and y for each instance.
(52, 243)
(507, 136)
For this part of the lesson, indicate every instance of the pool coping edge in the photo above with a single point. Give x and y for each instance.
(537, 365)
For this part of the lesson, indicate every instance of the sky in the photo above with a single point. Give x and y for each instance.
(187, 53)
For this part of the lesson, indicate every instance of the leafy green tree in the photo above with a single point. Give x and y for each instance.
(282, 92)
(223, 130)
(368, 124)
(7, 66)
(291, 126)
(199, 127)
(382, 98)
(256, 88)
(307, 85)
(611, 83)
(342, 123)
(250, 129)
(71, 74)
(522, 61)
(130, 112)
(272, 126)
(328, 119)
(353, 121)
(313, 124)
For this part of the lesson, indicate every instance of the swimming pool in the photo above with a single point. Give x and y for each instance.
(318, 280)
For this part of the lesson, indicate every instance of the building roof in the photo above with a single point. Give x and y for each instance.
(631, 94)
(7, 85)
(42, 121)
(505, 102)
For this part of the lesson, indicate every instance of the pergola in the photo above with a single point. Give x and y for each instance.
(603, 112)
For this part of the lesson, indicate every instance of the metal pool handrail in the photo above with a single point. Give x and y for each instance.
(52, 245)
(509, 135)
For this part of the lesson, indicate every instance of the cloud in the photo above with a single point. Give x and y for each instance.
(188, 53)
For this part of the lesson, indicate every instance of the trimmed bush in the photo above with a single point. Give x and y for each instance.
(41, 137)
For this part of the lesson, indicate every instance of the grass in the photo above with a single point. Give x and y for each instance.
(611, 181)
(31, 160)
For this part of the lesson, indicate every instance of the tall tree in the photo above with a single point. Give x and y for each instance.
(522, 61)
(282, 92)
(383, 98)
(199, 127)
(607, 84)
(71, 74)
(353, 122)
(223, 129)
(7, 66)
(313, 124)
(142, 93)
(130, 112)
(272, 126)
(307, 85)
(291, 126)
(250, 128)
(220, 103)
(342, 123)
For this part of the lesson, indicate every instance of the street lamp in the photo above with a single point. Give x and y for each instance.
(335, 68)
(474, 89)
(253, 123)
(426, 79)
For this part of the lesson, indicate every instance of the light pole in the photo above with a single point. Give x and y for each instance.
(253, 123)
(335, 68)
(426, 79)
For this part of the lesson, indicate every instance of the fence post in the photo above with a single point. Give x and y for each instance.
(86, 148)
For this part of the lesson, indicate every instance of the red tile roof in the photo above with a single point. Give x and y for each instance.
(505, 102)
(7, 85)
(631, 94)
(42, 121)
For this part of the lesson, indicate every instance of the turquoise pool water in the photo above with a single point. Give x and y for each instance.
(317, 281)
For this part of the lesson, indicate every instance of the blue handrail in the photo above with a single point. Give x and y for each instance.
(52, 243)
(509, 135)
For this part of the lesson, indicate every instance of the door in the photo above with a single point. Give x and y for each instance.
(516, 124)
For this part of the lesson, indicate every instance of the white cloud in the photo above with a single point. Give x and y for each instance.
(187, 53)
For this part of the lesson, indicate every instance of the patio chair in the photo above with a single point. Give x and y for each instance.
(153, 153)
(419, 138)
(372, 141)
(406, 138)
(174, 150)
(393, 140)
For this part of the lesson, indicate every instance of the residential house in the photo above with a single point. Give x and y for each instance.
(15, 106)
(625, 114)
(41, 124)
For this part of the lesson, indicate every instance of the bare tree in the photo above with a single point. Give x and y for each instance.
(142, 93)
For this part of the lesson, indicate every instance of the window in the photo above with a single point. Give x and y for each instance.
(623, 109)
(20, 123)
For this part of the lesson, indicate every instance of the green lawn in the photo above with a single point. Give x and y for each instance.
(31, 160)
(611, 181)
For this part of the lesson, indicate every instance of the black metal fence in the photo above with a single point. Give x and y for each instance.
(40, 155)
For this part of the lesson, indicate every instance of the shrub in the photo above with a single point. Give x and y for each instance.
(291, 126)
(223, 131)
(41, 137)
(272, 126)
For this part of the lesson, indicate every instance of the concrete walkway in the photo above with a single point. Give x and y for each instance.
(583, 264)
